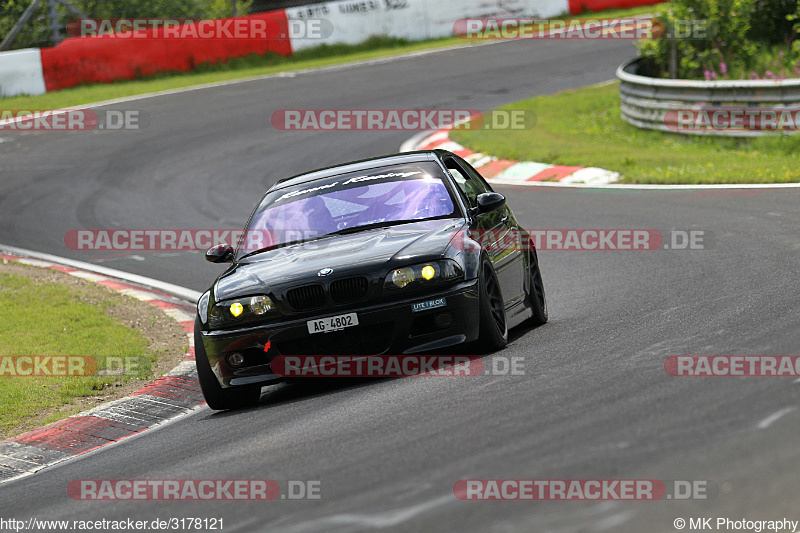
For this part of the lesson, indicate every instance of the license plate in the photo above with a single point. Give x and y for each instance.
(332, 323)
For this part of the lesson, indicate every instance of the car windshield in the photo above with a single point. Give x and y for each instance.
(374, 197)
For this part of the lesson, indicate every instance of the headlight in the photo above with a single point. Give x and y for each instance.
(202, 307)
(261, 304)
(424, 274)
(240, 311)
(402, 277)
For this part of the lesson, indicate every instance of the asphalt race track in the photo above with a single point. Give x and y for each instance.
(595, 401)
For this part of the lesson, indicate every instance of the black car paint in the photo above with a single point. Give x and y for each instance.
(372, 253)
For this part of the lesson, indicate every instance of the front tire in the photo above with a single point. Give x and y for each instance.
(216, 397)
(493, 334)
(536, 296)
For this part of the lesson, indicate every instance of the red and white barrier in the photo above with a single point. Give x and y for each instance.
(354, 21)
(104, 59)
(21, 72)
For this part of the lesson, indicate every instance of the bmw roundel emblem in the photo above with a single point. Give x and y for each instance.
(325, 272)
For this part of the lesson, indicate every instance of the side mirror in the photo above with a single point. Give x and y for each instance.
(221, 253)
(489, 201)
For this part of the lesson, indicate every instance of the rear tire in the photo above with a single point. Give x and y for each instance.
(493, 324)
(536, 297)
(216, 397)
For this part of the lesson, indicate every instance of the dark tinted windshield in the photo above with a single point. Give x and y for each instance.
(373, 197)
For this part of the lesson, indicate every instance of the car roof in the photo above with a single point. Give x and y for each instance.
(355, 166)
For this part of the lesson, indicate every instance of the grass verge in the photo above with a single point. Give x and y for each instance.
(46, 313)
(583, 127)
(255, 65)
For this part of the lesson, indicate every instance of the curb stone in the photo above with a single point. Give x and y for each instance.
(508, 172)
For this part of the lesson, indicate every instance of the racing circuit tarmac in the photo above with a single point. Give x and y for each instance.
(595, 401)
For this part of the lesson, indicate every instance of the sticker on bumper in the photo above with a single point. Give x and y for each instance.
(430, 304)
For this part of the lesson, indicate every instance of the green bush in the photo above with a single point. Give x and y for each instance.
(33, 34)
(160, 8)
(218, 9)
(769, 23)
(142, 8)
(744, 39)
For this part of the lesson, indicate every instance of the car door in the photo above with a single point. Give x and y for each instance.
(496, 230)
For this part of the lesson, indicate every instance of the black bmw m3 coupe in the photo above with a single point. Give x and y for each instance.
(402, 254)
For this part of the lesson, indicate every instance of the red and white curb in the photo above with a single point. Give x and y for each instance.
(508, 172)
(171, 395)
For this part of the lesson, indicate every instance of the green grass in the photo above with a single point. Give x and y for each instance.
(39, 318)
(583, 127)
(254, 66)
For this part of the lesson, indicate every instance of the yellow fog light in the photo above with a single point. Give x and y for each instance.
(428, 272)
(236, 309)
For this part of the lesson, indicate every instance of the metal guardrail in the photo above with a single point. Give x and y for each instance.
(655, 103)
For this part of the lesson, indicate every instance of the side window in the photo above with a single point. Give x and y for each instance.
(468, 185)
(475, 175)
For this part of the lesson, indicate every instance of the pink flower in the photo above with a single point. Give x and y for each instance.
(707, 74)
(723, 68)
(780, 53)
(713, 75)
(769, 74)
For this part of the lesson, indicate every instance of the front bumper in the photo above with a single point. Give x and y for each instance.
(395, 328)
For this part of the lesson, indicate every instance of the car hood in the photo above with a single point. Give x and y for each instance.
(372, 251)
